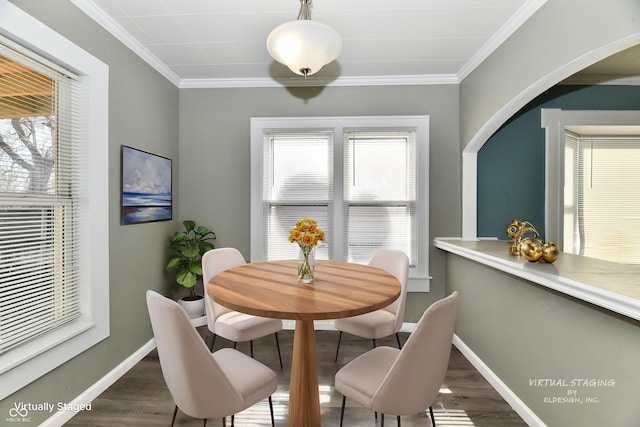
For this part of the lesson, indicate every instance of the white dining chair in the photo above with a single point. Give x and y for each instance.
(388, 320)
(203, 384)
(227, 323)
(407, 381)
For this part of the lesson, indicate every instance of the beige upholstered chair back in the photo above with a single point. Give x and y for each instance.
(397, 263)
(420, 369)
(213, 262)
(198, 386)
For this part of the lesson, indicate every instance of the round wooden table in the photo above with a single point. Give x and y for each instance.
(271, 289)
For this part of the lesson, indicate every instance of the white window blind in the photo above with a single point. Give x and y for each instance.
(380, 193)
(39, 219)
(602, 180)
(298, 182)
(363, 179)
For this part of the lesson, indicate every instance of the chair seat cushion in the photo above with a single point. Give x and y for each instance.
(377, 324)
(360, 378)
(253, 380)
(241, 327)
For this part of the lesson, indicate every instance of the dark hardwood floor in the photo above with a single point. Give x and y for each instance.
(141, 398)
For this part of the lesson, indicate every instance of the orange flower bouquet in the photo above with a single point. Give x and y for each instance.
(306, 234)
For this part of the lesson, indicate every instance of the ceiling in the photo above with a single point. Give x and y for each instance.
(211, 43)
(221, 43)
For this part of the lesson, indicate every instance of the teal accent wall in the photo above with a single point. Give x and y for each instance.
(511, 164)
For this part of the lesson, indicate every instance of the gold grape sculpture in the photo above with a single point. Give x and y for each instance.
(530, 247)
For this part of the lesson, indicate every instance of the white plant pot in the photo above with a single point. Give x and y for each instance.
(194, 308)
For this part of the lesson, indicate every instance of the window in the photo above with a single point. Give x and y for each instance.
(38, 200)
(592, 180)
(380, 193)
(602, 196)
(364, 179)
(53, 213)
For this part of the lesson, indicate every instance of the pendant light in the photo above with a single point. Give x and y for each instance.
(303, 45)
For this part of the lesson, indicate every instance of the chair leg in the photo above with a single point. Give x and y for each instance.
(233, 420)
(175, 412)
(398, 339)
(224, 421)
(398, 417)
(344, 399)
(433, 419)
(382, 419)
(374, 343)
(273, 420)
(205, 423)
(278, 345)
(251, 347)
(338, 348)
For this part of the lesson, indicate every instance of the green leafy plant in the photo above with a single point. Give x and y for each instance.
(189, 246)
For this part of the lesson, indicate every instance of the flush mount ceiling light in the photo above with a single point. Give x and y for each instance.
(304, 45)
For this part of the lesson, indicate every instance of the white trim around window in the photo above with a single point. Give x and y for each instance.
(29, 362)
(338, 127)
(554, 121)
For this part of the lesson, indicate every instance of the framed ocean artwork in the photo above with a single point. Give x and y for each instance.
(146, 187)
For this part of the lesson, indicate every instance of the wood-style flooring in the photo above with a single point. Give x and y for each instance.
(141, 398)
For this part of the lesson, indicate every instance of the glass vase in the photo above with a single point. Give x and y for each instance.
(306, 264)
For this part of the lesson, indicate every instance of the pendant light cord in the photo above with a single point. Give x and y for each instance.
(305, 10)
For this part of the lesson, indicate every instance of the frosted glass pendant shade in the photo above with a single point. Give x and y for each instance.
(304, 46)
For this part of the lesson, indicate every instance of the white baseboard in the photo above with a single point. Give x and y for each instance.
(59, 418)
(507, 394)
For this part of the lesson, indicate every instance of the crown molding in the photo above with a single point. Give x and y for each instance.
(109, 24)
(500, 36)
(436, 79)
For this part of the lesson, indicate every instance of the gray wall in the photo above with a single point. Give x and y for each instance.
(212, 165)
(143, 113)
(541, 47)
(519, 330)
(215, 164)
(523, 331)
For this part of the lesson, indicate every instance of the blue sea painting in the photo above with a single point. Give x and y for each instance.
(146, 187)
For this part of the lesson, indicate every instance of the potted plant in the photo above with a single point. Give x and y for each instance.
(189, 245)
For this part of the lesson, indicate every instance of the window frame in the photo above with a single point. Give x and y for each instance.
(554, 121)
(418, 275)
(603, 197)
(29, 362)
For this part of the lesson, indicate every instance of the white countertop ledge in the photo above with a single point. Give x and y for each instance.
(615, 287)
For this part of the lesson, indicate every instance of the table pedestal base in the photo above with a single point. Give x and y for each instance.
(304, 398)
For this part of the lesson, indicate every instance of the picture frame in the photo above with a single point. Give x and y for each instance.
(146, 190)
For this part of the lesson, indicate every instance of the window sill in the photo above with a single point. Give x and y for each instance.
(615, 287)
(41, 345)
(29, 362)
(419, 284)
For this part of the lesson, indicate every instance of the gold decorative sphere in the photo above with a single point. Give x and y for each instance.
(531, 249)
(550, 252)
